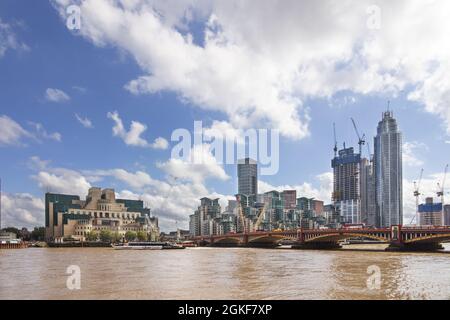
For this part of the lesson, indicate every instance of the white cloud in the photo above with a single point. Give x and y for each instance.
(41, 132)
(58, 180)
(56, 95)
(200, 165)
(8, 39)
(411, 152)
(85, 122)
(11, 132)
(22, 210)
(428, 188)
(171, 200)
(160, 143)
(258, 62)
(133, 137)
(322, 190)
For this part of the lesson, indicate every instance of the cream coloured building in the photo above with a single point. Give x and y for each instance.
(67, 216)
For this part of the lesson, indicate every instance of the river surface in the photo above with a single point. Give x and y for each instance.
(223, 273)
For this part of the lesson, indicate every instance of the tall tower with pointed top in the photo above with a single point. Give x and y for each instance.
(388, 172)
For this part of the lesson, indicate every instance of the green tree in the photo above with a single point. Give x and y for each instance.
(38, 234)
(12, 230)
(116, 237)
(142, 236)
(92, 236)
(130, 235)
(105, 236)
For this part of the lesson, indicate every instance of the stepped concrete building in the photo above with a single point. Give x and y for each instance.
(67, 216)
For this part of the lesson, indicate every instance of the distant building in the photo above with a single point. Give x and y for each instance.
(430, 214)
(205, 219)
(368, 195)
(388, 172)
(67, 216)
(247, 171)
(447, 214)
(7, 237)
(289, 198)
(346, 185)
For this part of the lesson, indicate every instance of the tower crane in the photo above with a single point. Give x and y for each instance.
(361, 140)
(260, 218)
(241, 213)
(368, 150)
(440, 193)
(417, 195)
(335, 141)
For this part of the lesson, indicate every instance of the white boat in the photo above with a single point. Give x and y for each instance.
(137, 246)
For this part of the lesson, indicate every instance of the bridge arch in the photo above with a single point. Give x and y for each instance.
(345, 235)
(429, 238)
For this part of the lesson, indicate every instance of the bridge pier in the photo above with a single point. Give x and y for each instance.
(421, 247)
(322, 245)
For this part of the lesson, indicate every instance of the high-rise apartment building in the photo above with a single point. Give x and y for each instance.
(368, 195)
(247, 170)
(388, 172)
(346, 185)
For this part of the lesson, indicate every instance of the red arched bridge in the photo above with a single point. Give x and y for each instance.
(399, 237)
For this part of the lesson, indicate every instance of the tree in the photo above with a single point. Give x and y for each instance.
(12, 230)
(142, 236)
(105, 236)
(116, 237)
(38, 234)
(130, 235)
(92, 236)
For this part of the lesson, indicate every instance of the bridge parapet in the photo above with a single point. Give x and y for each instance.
(399, 237)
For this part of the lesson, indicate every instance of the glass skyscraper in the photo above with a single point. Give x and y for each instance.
(247, 177)
(388, 172)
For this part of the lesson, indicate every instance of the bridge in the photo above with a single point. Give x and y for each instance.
(399, 238)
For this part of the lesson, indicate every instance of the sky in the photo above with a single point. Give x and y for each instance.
(97, 105)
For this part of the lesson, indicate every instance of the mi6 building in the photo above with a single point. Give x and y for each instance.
(67, 216)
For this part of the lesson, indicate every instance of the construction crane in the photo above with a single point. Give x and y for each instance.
(260, 218)
(416, 195)
(335, 140)
(361, 140)
(368, 150)
(440, 193)
(241, 213)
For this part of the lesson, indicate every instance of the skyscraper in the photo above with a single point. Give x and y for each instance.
(368, 196)
(388, 172)
(247, 177)
(346, 187)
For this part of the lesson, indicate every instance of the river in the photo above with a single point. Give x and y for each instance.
(222, 273)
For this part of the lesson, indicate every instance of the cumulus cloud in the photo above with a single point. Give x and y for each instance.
(22, 210)
(171, 199)
(320, 189)
(11, 133)
(56, 95)
(258, 63)
(133, 136)
(58, 180)
(428, 188)
(9, 40)
(41, 132)
(200, 165)
(85, 122)
(411, 152)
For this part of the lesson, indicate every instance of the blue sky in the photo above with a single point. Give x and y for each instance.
(89, 70)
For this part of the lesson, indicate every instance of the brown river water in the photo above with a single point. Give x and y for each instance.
(223, 273)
